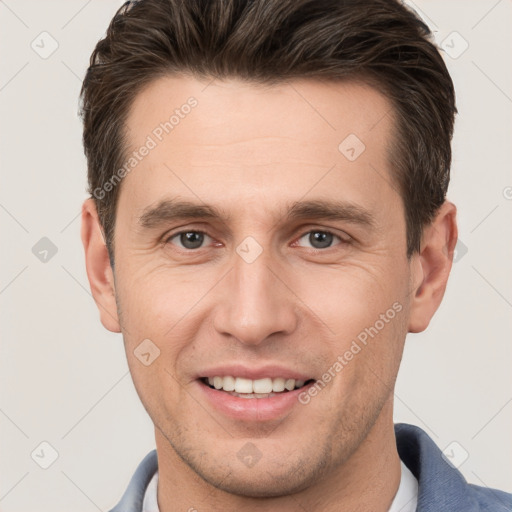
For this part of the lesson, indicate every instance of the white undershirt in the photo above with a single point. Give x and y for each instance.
(150, 503)
(406, 498)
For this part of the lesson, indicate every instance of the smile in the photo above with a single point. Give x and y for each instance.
(255, 401)
(259, 388)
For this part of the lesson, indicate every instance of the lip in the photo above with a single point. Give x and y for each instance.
(246, 372)
(252, 409)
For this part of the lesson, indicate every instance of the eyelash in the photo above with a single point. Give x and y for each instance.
(326, 231)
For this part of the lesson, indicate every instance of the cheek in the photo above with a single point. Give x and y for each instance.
(362, 312)
(160, 315)
(154, 301)
(347, 299)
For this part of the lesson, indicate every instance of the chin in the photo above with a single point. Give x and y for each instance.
(263, 483)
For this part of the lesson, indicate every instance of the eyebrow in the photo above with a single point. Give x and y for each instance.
(331, 210)
(170, 210)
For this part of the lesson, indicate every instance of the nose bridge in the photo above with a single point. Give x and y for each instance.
(256, 303)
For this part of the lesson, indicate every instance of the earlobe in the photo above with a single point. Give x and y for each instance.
(99, 271)
(431, 267)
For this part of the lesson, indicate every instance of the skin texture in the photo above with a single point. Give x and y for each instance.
(251, 151)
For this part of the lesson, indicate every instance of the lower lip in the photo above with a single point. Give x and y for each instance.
(253, 409)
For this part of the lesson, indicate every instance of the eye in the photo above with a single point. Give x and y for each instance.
(188, 239)
(320, 239)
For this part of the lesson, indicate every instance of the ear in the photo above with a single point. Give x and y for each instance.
(431, 267)
(99, 271)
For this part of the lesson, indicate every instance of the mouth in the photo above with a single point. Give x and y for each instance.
(254, 394)
(263, 388)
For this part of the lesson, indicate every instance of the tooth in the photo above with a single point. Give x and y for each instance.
(217, 382)
(253, 395)
(278, 385)
(290, 384)
(243, 385)
(262, 385)
(229, 383)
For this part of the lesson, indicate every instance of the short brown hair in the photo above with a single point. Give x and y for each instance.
(380, 42)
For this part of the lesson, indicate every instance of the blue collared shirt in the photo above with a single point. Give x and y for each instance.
(441, 487)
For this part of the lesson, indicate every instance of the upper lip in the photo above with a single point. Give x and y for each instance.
(254, 373)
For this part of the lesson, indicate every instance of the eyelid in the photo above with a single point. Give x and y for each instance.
(185, 228)
(344, 240)
(332, 231)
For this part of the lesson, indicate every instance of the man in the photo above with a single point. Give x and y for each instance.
(268, 221)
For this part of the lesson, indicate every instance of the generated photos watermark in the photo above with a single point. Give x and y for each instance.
(156, 136)
(355, 348)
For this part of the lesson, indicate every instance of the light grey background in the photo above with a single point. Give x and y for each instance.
(64, 379)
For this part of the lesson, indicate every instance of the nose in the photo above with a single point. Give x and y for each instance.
(256, 303)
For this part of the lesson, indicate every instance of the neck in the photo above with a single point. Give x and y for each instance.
(368, 480)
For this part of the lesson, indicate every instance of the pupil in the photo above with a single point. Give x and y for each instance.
(320, 238)
(191, 240)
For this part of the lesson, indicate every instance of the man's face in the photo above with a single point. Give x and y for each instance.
(262, 293)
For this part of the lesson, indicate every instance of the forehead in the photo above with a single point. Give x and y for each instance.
(324, 106)
(250, 138)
